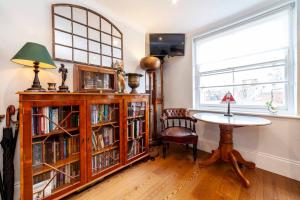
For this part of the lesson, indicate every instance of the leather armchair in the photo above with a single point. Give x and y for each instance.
(178, 127)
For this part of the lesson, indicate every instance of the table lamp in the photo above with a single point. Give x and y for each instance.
(37, 56)
(228, 98)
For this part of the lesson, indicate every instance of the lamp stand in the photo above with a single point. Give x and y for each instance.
(228, 114)
(36, 85)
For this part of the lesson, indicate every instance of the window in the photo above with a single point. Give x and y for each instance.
(253, 59)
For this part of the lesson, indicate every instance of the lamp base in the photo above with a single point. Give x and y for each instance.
(228, 115)
(36, 86)
(35, 89)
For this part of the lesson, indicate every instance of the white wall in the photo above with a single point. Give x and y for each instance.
(22, 21)
(274, 148)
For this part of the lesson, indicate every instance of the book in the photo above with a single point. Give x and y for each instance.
(41, 190)
(46, 119)
(37, 154)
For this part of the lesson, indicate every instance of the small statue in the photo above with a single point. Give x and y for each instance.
(120, 74)
(64, 72)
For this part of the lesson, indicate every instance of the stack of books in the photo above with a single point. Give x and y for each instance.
(44, 184)
(136, 109)
(105, 160)
(102, 138)
(135, 147)
(55, 149)
(135, 128)
(102, 113)
(46, 119)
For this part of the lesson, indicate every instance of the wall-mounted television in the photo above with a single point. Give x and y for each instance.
(167, 44)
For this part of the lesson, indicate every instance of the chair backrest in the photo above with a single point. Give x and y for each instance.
(176, 112)
(177, 117)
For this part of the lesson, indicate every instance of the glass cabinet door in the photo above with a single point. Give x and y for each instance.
(136, 129)
(56, 148)
(104, 138)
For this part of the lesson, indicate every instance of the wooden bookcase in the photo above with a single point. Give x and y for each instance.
(70, 140)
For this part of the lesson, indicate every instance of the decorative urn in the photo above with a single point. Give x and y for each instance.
(134, 81)
(150, 63)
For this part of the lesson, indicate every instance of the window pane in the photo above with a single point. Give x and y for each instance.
(63, 38)
(80, 56)
(263, 35)
(94, 35)
(63, 10)
(79, 15)
(93, 20)
(264, 75)
(216, 80)
(63, 24)
(213, 95)
(255, 59)
(260, 94)
(94, 59)
(106, 50)
(94, 46)
(80, 43)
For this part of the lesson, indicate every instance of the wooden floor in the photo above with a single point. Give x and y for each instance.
(178, 177)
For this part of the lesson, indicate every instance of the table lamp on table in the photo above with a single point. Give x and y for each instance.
(37, 56)
(228, 98)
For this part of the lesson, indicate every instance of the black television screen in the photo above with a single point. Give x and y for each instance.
(165, 44)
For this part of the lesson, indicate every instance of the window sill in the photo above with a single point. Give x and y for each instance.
(249, 113)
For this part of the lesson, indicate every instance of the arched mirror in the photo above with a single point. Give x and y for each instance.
(83, 36)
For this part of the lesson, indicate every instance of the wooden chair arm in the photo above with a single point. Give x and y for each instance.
(163, 118)
(192, 119)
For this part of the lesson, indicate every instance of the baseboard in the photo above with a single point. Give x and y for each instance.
(268, 162)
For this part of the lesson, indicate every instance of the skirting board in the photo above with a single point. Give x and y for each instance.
(268, 162)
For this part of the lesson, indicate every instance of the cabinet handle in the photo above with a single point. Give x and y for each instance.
(82, 141)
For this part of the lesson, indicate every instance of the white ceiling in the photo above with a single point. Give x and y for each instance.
(182, 17)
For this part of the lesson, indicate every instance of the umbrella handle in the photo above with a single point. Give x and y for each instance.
(11, 110)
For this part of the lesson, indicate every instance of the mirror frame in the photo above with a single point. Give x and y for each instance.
(71, 19)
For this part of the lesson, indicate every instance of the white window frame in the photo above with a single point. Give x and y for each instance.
(291, 90)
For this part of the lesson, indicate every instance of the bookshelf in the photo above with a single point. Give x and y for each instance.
(70, 140)
(136, 129)
(104, 131)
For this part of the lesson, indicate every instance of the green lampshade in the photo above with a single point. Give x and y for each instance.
(33, 52)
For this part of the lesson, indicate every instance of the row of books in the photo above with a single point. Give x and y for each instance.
(102, 138)
(102, 113)
(136, 109)
(55, 149)
(44, 184)
(135, 128)
(105, 160)
(45, 119)
(135, 147)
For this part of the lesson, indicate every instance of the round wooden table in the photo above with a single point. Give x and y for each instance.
(225, 151)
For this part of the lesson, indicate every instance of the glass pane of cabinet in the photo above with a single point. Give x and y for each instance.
(105, 136)
(136, 129)
(55, 149)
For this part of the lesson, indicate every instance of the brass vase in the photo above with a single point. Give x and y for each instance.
(134, 81)
(150, 63)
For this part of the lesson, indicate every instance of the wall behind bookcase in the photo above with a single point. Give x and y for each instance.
(23, 21)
